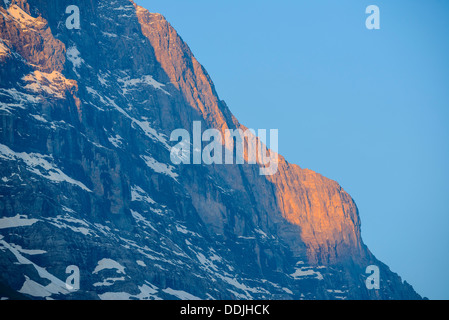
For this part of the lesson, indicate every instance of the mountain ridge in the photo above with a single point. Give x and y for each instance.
(102, 120)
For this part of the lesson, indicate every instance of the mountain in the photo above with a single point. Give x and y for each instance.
(87, 182)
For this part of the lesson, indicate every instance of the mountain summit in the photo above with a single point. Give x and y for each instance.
(87, 184)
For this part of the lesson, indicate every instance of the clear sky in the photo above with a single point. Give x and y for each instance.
(367, 108)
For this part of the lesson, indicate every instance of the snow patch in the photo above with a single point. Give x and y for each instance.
(139, 218)
(31, 287)
(39, 118)
(68, 222)
(184, 230)
(138, 194)
(108, 282)
(209, 265)
(159, 167)
(151, 133)
(147, 292)
(182, 295)
(38, 164)
(261, 233)
(144, 125)
(141, 263)
(115, 296)
(126, 8)
(109, 264)
(16, 221)
(116, 141)
(73, 55)
(132, 84)
(105, 230)
(109, 35)
(18, 99)
(236, 284)
(30, 252)
(287, 290)
(304, 272)
(335, 291)
(102, 80)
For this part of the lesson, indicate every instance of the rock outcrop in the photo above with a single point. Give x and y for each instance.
(86, 177)
(330, 226)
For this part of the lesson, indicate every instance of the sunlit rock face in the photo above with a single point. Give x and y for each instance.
(86, 178)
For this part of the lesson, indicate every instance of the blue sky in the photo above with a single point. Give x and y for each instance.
(367, 108)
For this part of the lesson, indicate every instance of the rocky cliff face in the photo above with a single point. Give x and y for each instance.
(86, 177)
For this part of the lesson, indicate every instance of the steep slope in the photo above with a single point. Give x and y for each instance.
(327, 214)
(87, 178)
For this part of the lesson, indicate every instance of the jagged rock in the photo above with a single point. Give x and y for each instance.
(86, 177)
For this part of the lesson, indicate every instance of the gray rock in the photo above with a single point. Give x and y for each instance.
(86, 178)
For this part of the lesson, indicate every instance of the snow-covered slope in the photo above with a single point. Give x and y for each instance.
(86, 178)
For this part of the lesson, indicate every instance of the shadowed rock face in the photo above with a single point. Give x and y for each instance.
(86, 177)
